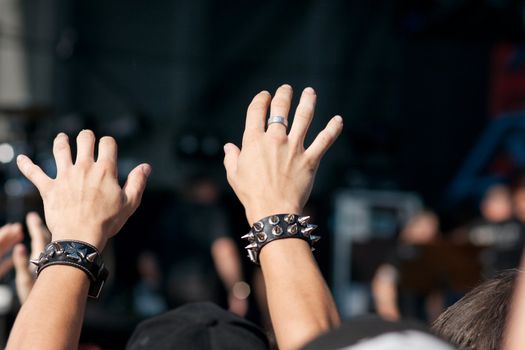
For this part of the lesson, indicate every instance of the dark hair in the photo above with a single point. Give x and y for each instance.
(477, 321)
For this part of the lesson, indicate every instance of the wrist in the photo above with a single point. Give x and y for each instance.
(278, 227)
(79, 255)
(93, 237)
(255, 214)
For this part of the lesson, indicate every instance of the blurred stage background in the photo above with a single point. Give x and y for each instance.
(432, 94)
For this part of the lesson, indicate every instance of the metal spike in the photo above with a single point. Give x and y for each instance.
(258, 226)
(35, 262)
(252, 254)
(262, 236)
(251, 246)
(313, 249)
(274, 220)
(277, 230)
(308, 229)
(289, 218)
(314, 238)
(249, 236)
(58, 247)
(74, 256)
(91, 257)
(303, 220)
(293, 229)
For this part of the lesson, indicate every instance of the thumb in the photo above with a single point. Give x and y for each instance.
(231, 154)
(135, 185)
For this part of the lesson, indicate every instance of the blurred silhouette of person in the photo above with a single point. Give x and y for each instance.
(390, 302)
(498, 230)
(148, 299)
(203, 255)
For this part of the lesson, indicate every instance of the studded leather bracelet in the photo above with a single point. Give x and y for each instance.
(78, 254)
(276, 227)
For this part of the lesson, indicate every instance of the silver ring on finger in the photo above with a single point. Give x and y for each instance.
(278, 120)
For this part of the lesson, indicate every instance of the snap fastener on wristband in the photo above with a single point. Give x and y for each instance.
(78, 254)
(278, 227)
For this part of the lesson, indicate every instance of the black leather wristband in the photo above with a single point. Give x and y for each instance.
(276, 227)
(78, 254)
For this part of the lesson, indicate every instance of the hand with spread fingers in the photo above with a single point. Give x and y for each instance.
(84, 206)
(273, 174)
(25, 273)
(85, 202)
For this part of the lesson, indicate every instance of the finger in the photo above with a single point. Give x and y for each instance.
(135, 185)
(231, 154)
(10, 235)
(256, 114)
(62, 152)
(303, 116)
(107, 152)
(280, 107)
(85, 146)
(40, 235)
(24, 278)
(325, 139)
(5, 266)
(33, 173)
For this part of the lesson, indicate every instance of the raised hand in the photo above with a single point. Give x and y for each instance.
(10, 235)
(274, 173)
(40, 236)
(85, 201)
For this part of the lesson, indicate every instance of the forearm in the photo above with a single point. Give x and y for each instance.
(301, 305)
(52, 316)
(384, 292)
(227, 261)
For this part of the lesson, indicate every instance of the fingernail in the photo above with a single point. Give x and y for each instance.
(338, 119)
(310, 90)
(146, 169)
(225, 148)
(286, 86)
(19, 158)
(264, 92)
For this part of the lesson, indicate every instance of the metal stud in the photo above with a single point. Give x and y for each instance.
(35, 262)
(277, 230)
(313, 249)
(289, 218)
(314, 238)
(262, 236)
(293, 229)
(308, 229)
(251, 246)
(303, 220)
(258, 226)
(274, 220)
(91, 257)
(249, 236)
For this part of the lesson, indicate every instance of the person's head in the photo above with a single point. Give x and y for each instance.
(477, 321)
(421, 228)
(496, 205)
(197, 326)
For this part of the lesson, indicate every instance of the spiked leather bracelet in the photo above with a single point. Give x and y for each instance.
(78, 254)
(278, 227)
